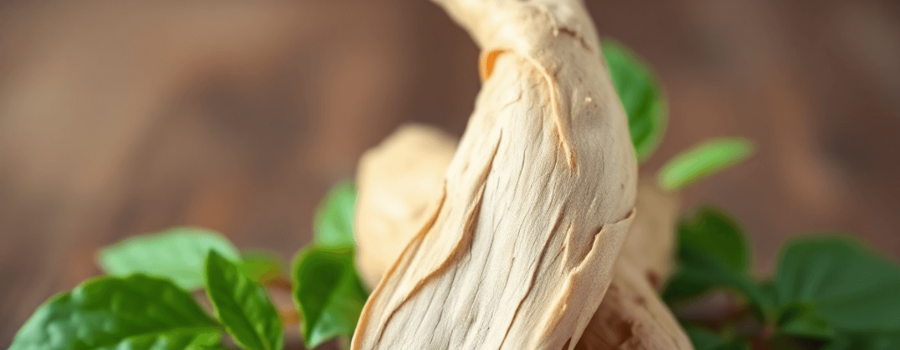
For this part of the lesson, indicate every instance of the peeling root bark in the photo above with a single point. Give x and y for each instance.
(535, 203)
(632, 315)
(400, 180)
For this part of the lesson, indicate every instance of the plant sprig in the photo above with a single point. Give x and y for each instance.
(829, 291)
(145, 301)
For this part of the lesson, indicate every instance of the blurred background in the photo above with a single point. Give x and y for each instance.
(119, 118)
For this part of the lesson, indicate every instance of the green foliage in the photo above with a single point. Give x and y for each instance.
(703, 160)
(242, 305)
(828, 292)
(176, 254)
(713, 253)
(334, 217)
(641, 95)
(833, 288)
(155, 312)
(803, 322)
(135, 312)
(712, 231)
(147, 312)
(328, 293)
(865, 341)
(847, 285)
(327, 288)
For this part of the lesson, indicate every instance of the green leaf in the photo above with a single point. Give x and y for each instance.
(865, 341)
(706, 340)
(243, 305)
(177, 254)
(703, 160)
(262, 266)
(334, 217)
(713, 253)
(713, 232)
(803, 322)
(134, 312)
(328, 293)
(848, 286)
(640, 94)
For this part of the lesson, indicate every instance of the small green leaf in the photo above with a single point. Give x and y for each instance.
(135, 312)
(848, 286)
(706, 340)
(262, 266)
(243, 305)
(334, 217)
(328, 293)
(713, 253)
(714, 232)
(640, 94)
(703, 160)
(177, 254)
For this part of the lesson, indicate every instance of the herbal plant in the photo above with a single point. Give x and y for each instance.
(829, 292)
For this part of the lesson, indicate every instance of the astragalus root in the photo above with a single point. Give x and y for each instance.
(401, 178)
(399, 184)
(632, 315)
(535, 203)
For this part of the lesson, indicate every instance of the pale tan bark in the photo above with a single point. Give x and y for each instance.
(632, 315)
(399, 186)
(394, 197)
(400, 180)
(536, 201)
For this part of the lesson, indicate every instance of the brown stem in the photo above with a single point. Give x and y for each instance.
(289, 316)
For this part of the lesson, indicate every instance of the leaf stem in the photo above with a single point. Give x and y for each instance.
(289, 317)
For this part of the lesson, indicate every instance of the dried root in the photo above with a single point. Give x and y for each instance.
(400, 182)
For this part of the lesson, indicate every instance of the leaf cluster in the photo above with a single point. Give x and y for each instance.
(145, 301)
(828, 292)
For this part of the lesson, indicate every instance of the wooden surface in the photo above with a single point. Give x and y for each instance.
(122, 118)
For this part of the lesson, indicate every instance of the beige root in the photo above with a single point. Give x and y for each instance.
(535, 204)
(399, 186)
(632, 315)
(400, 181)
